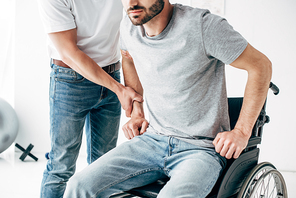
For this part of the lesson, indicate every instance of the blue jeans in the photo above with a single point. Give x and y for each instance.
(75, 103)
(192, 170)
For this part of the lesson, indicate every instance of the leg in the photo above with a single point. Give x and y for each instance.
(132, 164)
(193, 171)
(67, 116)
(102, 123)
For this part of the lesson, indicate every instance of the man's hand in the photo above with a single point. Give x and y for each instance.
(134, 127)
(231, 143)
(127, 96)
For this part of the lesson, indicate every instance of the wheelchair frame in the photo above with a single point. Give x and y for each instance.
(243, 177)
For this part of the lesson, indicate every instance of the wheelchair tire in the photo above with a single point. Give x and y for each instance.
(264, 181)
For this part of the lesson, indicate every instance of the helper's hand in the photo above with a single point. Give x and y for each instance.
(134, 127)
(231, 143)
(126, 97)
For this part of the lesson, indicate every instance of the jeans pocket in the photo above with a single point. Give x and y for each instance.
(68, 75)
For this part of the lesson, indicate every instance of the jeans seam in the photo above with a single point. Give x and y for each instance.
(90, 141)
(165, 169)
(52, 124)
(126, 178)
(53, 113)
(212, 182)
(101, 96)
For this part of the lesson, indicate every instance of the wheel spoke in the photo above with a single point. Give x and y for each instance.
(267, 186)
(262, 187)
(264, 182)
(272, 192)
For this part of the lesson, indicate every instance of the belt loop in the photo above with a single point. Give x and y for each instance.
(112, 69)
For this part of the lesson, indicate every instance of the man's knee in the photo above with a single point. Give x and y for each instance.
(73, 188)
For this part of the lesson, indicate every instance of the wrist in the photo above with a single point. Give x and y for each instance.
(138, 110)
(118, 88)
(243, 131)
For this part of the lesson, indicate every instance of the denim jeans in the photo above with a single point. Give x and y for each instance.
(192, 170)
(75, 103)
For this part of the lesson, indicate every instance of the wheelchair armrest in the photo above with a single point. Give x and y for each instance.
(254, 141)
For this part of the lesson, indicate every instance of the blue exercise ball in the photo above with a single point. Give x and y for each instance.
(8, 125)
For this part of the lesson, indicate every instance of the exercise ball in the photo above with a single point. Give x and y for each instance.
(8, 125)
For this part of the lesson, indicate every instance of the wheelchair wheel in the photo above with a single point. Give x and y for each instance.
(264, 181)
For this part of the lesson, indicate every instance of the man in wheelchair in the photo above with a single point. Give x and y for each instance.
(177, 55)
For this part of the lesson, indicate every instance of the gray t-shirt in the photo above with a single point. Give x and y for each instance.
(182, 71)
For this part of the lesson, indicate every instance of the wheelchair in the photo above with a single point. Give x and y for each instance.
(243, 177)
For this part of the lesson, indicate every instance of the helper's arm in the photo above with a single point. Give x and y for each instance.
(231, 144)
(66, 44)
(137, 125)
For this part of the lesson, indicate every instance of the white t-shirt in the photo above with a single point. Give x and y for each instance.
(97, 23)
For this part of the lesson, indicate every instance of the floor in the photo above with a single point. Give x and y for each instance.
(21, 179)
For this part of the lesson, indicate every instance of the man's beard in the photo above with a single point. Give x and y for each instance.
(154, 10)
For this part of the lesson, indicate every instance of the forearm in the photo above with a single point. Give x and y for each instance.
(254, 96)
(131, 79)
(231, 144)
(88, 68)
(137, 125)
(138, 110)
(66, 44)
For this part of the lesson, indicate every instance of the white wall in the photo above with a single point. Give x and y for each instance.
(31, 77)
(7, 50)
(269, 25)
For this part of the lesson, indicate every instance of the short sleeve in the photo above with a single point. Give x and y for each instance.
(221, 40)
(56, 15)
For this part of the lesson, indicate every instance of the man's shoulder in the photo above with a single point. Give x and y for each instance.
(194, 15)
(189, 11)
